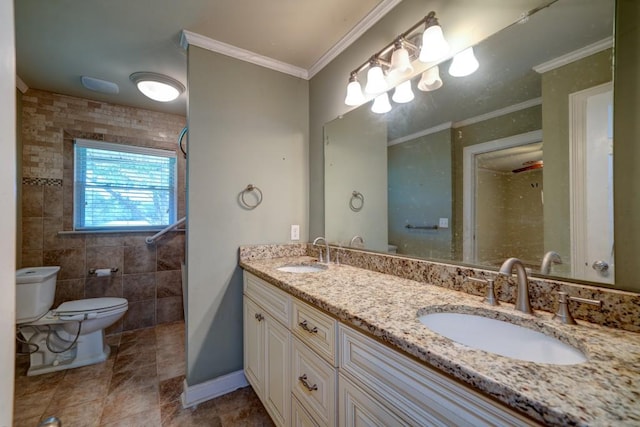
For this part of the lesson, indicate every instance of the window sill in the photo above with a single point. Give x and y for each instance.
(128, 231)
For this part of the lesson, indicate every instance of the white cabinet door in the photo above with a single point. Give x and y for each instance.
(254, 345)
(277, 392)
(359, 409)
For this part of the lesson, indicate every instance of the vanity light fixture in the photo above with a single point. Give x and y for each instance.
(395, 59)
(464, 63)
(403, 93)
(381, 104)
(156, 86)
(430, 79)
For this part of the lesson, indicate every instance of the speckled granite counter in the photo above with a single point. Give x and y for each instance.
(603, 391)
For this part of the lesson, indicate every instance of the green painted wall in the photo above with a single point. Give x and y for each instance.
(626, 154)
(420, 194)
(247, 125)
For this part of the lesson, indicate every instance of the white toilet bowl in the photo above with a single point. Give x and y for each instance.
(69, 336)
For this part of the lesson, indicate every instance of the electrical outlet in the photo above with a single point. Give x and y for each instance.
(295, 232)
(444, 223)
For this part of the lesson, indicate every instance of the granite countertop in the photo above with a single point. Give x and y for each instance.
(603, 391)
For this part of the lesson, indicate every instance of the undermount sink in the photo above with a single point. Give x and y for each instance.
(302, 268)
(502, 338)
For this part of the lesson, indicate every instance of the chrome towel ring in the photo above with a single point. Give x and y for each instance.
(357, 201)
(248, 190)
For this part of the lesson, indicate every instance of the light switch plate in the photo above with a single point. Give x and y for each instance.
(295, 232)
(443, 223)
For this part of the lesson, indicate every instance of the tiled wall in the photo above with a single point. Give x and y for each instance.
(148, 275)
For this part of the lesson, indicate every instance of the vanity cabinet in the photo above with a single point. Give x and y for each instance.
(267, 347)
(311, 370)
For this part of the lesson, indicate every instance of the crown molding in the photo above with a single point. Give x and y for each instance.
(189, 38)
(21, 85)
(424, 132)
(574, 56)
(361, 27)
(497, 113)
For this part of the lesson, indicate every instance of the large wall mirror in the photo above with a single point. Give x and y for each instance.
(514, 160)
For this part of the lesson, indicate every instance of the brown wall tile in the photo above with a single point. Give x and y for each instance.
(98, 287)
(141, 314)
(32, 200)
(32, 259)
(52, 201)
(105, 257)
(71, 262)
(68, 290)
(169, 309)
(32, 233)
(138, 287)
(169, 283)
(139, 259)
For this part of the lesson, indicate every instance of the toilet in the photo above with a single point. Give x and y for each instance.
(69, 336)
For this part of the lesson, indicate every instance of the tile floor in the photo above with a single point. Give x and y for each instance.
(139, 385)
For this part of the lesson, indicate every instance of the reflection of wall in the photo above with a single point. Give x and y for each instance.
(626, 156)
(509, 216)
(247, 125)
(489, 130)
(148, 276)
(356, 160)
(419, 194)
(18, 236)
(556, 86)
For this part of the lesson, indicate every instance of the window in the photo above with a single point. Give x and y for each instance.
(123, 187)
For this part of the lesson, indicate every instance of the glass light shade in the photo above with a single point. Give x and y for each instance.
(381, 104)
(375, 80)
(430, 80)
(354, 94)
(434, 46)
(464, 63)
(158, 91)
(401, 64)
(403, 93)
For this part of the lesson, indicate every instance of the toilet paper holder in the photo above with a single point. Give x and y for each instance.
(96, 271)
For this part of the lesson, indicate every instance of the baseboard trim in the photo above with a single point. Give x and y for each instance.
(195, 394)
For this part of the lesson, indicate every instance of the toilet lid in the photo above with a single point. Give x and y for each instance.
(97, 305)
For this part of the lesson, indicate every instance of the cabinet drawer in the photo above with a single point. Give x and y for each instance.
(314, 383)
(422, 395)
(357, 408)
(315, 329)
(299, 416)
(274, 301)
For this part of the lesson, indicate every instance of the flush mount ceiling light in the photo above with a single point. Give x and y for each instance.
(102, 86)
(394, 61)
(157, 86)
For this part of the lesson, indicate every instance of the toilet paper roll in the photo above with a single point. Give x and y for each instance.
(103, 272)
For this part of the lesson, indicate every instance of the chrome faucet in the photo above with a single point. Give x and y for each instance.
(326, 245)
(522, 296)
(549, 257)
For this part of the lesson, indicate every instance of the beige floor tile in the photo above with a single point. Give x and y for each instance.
(97, 372)
(26, 422)
(135, 361)
(171, 389)
(26, 385)
(128, 402)
(140, 378)
(140, 335)
(205, 414)
(142, 419)
(86, 414)
(31, 405)
(70, 392)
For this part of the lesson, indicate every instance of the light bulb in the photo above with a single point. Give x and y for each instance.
(403, 93)
(434, 46)
(430, 80)
(401, 64)
(375, 80)
(464, 63)
(354, 93)
(381, 104)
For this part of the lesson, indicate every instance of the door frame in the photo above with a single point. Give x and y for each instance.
(578, 171)
(469, 183)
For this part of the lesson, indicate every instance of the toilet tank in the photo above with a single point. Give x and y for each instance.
(35, 291)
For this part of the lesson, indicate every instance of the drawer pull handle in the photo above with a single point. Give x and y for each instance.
(260, 317)
(303, 380)
(304, 325)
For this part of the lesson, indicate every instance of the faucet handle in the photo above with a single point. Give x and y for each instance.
(563, 315)
(491, 294)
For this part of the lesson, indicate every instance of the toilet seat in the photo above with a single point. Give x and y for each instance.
(90, 308)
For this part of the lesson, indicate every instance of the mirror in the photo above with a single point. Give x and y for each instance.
(491, 165)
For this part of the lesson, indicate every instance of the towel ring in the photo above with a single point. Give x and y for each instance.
(250, 189)
(356, 202)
